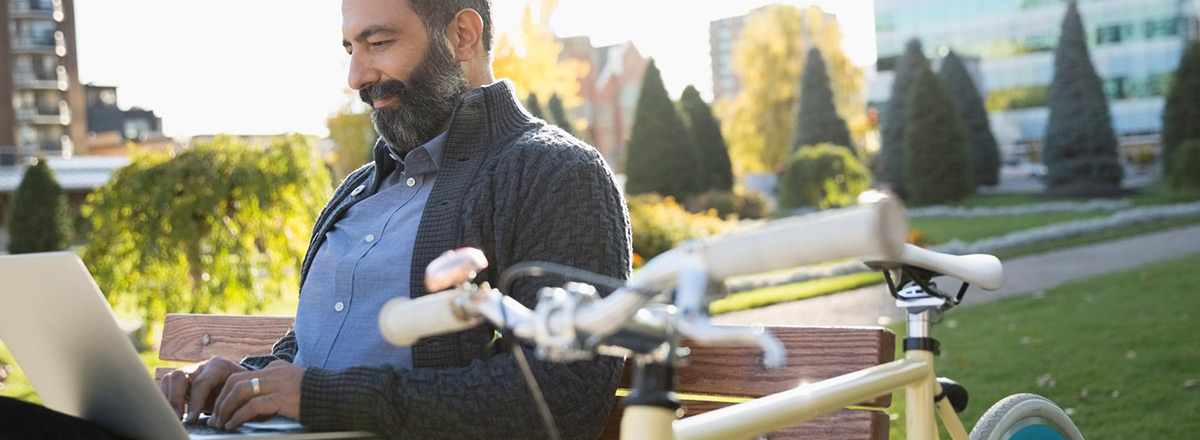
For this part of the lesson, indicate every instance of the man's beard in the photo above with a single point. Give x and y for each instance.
(423, 105)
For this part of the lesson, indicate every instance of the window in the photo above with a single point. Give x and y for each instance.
(1108, 34)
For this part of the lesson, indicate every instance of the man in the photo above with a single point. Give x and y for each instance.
(459, 163)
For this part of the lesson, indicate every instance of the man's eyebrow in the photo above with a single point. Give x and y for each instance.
(368, 32)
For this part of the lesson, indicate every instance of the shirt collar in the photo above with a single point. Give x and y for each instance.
(423, 159)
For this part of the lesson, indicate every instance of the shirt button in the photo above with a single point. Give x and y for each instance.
(339, 306)
(411, 181)
(358, 190)
(370, 238)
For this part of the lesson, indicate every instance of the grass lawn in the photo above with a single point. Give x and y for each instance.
(943, 229)
(1115, 350)
(792, 292)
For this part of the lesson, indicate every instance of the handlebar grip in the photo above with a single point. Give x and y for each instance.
(878, 228)
(404, 321)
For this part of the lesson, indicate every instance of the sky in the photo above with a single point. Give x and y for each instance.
(276, 66)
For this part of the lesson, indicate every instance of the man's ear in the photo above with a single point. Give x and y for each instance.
(465, 33)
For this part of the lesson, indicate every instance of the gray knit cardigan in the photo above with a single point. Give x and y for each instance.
(520, 190)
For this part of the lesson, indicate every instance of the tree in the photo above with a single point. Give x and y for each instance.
(895, 118)
(768, 58)
(823, 176)
(1183, 107)
(534, 107)
(39, 213)
(530, 59)
(1184, 163)
(558, 115)
(716, 172)
(984, 153)
(220, 227)
(659, 155)
(1081, 147)
(935, 144)
(353, 136)
(817, 120)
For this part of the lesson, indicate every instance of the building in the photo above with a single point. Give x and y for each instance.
(40, 77)
(723, 34)
(609, 91)
(1135, 46)
(112, 131)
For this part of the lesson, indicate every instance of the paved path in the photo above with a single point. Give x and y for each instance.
(873, 306)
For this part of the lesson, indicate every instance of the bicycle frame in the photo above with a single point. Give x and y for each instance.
(914, 373)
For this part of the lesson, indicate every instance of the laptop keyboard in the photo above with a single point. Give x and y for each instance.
(202, 429)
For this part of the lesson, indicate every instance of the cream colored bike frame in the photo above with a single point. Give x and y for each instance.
(914, 374)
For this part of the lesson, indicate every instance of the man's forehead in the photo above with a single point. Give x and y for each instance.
(359, 15)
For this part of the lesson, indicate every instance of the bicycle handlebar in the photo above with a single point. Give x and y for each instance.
(875, 228)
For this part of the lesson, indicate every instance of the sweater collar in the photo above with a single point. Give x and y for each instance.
(481, 118)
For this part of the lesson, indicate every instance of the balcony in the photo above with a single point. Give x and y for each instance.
(30, 9)
(26, 78)
(33, 45)
(42, 115)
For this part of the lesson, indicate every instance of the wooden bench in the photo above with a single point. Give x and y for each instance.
(715, 376)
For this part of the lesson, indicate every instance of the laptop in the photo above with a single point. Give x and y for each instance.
(64, 335)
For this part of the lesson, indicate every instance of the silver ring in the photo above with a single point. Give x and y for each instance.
(254, 386)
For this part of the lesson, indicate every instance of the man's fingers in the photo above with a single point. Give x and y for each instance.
(236, 392)
(262, 405)
(201, 388)
(175, 388)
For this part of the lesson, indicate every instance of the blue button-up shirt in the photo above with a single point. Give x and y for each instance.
(364, 262)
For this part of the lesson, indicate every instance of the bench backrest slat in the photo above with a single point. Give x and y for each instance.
(195, 338)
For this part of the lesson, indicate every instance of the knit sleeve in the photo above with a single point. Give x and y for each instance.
(570, 213)
(284, 349)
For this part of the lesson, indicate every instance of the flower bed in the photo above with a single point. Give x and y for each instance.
(1096, 205)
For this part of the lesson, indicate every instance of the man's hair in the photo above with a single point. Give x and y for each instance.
(436, 14)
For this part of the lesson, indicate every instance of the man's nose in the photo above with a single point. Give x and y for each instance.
(362, 74)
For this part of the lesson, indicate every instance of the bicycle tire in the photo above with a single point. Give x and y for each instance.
(1025, 417)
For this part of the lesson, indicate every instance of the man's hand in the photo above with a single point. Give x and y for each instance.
(194, 388)
(277, 393)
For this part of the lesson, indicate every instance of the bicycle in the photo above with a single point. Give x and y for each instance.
(572, 322)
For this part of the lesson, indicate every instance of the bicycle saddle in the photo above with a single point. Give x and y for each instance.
(981, 270)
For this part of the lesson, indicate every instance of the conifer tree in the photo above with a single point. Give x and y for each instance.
(981, 144)
(558, 115)
(1182, 111)
(1081, 147)
(534, 107)
(716, 172)
(895, 118)
(817, 120)
(39, 213)
(659, 156)
(938, 166)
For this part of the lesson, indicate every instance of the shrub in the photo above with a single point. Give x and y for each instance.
(822, 176)
(939, 167)
(752, 205)
(40, 222)
(659, 157)
(1081, 147)
(660, 224)
(1184, 163)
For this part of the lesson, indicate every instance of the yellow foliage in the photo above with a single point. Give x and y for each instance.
(659, 224)
(768, 58)
(530, 60)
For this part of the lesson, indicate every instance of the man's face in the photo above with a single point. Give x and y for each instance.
(410, 80)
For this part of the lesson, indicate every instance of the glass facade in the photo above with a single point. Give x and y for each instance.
(1135, 46)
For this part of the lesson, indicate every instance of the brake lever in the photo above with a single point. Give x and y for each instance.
(693, 322)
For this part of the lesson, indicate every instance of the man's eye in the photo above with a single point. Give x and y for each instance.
(379, 43)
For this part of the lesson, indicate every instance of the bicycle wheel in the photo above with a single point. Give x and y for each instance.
(1025, 417)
